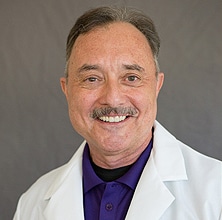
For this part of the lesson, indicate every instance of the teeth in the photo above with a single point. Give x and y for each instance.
(112, 119)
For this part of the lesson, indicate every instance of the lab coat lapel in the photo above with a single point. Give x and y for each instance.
(64, 198)
(166, 163)
(151, 197)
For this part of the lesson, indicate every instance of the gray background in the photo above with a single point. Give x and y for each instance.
(35, 133)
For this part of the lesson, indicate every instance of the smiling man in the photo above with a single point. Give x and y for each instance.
(129, 166)
(112, 89)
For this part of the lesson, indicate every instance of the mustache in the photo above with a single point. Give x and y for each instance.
(99, 112)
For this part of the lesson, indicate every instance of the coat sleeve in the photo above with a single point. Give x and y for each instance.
(17, 212)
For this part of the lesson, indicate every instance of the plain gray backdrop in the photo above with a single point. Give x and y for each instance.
(35, 133)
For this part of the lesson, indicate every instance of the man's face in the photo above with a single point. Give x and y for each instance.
(112, 67)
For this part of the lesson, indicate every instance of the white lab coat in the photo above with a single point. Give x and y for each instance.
(177, 184)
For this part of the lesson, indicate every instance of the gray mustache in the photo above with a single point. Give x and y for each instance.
(99, 112)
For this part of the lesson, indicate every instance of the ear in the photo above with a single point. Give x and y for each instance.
(160, 79)
(63, 83)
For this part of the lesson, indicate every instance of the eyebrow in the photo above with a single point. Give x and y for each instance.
(87, 67)
(133, 67)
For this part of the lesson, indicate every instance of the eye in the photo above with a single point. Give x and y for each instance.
(91, 79)
(132, 78)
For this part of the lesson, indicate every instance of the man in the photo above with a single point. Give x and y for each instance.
(129, 167)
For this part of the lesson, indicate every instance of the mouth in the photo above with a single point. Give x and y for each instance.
(113, 115)
(113, 119)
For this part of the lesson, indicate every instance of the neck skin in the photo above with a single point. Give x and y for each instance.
(117, 159)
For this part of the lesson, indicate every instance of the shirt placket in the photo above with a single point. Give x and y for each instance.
(110, 199)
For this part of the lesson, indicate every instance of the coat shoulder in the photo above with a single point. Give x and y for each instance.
(37, 191)
(200, 163)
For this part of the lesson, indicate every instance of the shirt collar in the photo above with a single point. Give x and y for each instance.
(131, 178)
(90, 179)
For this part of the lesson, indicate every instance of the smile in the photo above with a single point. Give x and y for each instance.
(112, 118)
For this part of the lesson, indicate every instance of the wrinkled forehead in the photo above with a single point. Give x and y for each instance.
(113, 35)
(112, 46)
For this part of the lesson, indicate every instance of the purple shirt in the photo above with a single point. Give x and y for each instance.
(110, 200)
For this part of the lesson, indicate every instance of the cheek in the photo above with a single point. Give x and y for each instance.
(78, 113)
(147, 107)
(145, 100)
(80, 103)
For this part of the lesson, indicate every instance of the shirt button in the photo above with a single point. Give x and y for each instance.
(109, 206)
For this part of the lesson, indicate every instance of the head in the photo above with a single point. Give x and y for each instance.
(112, 83)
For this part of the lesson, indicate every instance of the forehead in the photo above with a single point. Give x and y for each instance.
(117, 41)
(124, 32)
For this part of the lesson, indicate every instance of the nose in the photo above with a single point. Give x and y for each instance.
(112, 94)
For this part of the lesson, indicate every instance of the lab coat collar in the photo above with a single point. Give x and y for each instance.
(166, 163)
(65, 198)
(167, 155)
